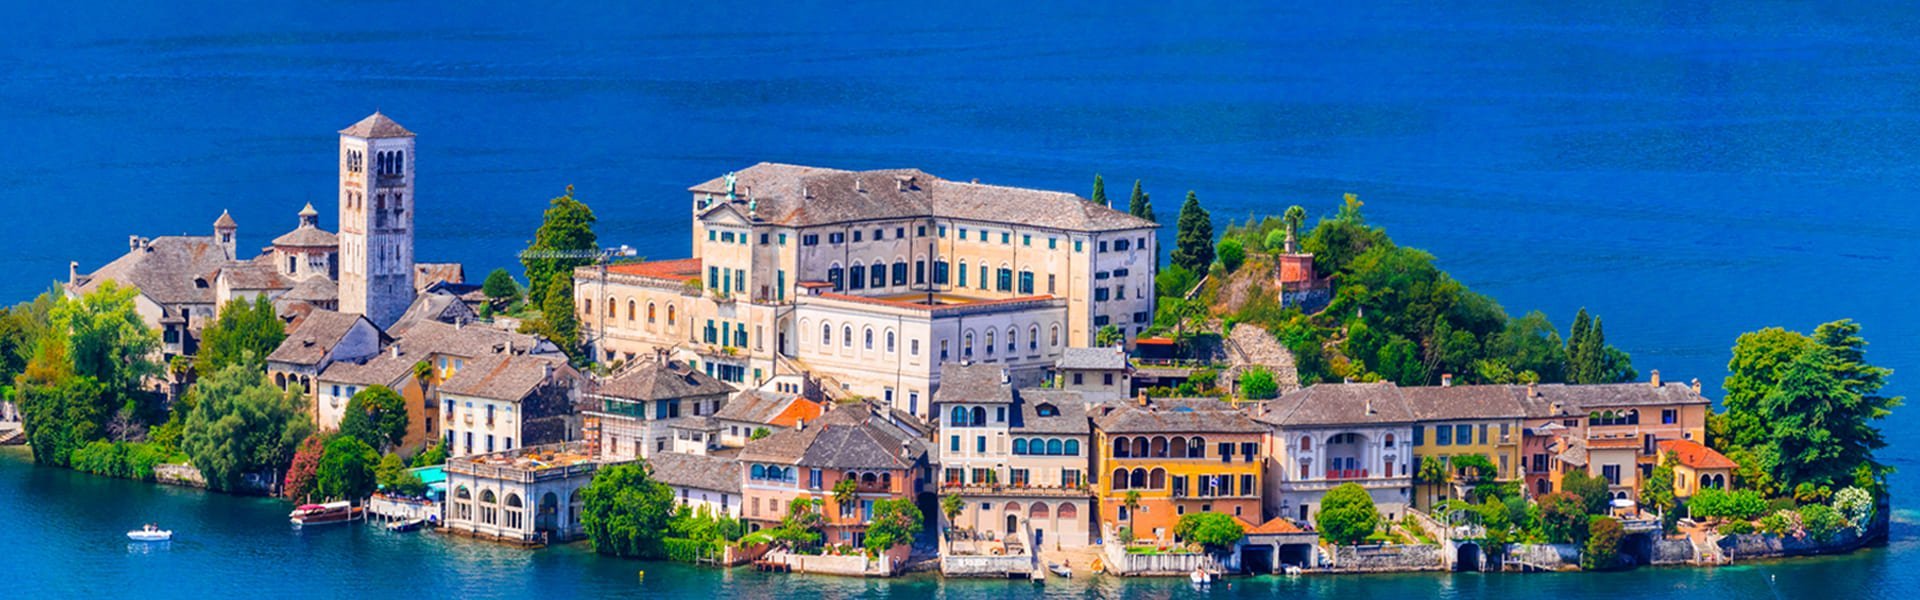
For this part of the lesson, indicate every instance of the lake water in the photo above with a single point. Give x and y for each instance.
(1687, 170)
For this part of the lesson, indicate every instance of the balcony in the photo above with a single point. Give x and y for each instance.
(1346, 474)
(1009, 489)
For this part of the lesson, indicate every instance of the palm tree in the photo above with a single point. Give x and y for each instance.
(1431, 473)
(951, 505)
(423, 376)
(844, 494)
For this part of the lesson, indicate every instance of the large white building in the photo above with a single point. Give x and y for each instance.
(1331, 434)
(870, 280)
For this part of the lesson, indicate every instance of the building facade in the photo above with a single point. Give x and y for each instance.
(855, 442)
(1019, 459)
(872, 279)
(503, 402)
(1326, 435)
(632, 413)
(377, 205)
(1467, 420)
(525, 496)
(1160, 459)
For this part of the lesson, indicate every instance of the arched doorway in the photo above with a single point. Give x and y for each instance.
(546, 519)
(1013, 523)
(1467, 557)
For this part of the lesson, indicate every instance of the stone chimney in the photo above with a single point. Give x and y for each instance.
(1533, 390)
(1696, 385)
(135, 243)
(1656, 378)
(1446, 380)
(73, 271)
(393, 351)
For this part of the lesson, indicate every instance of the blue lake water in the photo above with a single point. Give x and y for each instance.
(1687, 170)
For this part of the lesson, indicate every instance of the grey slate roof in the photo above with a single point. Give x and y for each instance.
(1435, 403)
(460, 340)
(257, 274)
(165, 269)
(376, 125)
(696, 471)
(1174, 415)
(976, 383)
(508, 377)
(651, 380)
(1110, 359)
(849, 437)
(382, 369)
(1333, 404)
(316, 336)
(308, 237)
(313, 289)
(1607, 395)
(1070, 412)
(801, 196)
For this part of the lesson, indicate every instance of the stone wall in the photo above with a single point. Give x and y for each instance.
(1381, 558)
(986, 566)
(179, 474)
(1673, 552)
(1760, 545)
(1552, 557)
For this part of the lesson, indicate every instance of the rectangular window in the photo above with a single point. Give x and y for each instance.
(953, 444)
(780, 285)
(1026, 239)
(1463, 434)
(943, 231)
(983, 235)
(1100, 294)
(980, 444)
(813, 478)
(880, 275)
(836, 238)
(1669, 416)
(1103, 245)
(1077, 247)
(1226, 452)
(712, 235)
(1246, 485)
(900, 273)
(1026, 282)
(1419, 435)
(940, 268)
(783, 239)
(963, 274)
(1050, 287)
(1120, 246)
(983, 277)
(900, 232)
(1443, 436)
(920, 273)
(963, 234)
(1053, 243)
(879, 234)
(856, 236)
(809, 239)
(920, 231)
(1611, 472)
(1005, 280)
(1006, 237)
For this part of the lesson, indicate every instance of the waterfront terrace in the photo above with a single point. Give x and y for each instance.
(526, 496)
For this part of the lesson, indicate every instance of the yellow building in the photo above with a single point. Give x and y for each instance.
(1453, 421)
(1697, 467)
(1180, 455)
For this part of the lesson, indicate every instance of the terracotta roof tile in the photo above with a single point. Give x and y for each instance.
(1692, 454)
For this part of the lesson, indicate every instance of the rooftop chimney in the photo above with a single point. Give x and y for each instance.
(73, 271)
(394, 351)
(1446, 380)
(1656, 378)
(1696, 385)
(134, 243)
(1533, 390)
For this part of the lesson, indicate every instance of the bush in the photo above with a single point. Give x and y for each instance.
(684, 550)
(1736, 528)
(1856, 506)
(1347, 515)
(1821, 522)
(1276, 241)
(1125, 534)
(1258, 384)
(1563, 518)
(1603, 544)
(1741, 505)
(1231, 254)
(126, 460)
(1780, 523)
(1213, 531)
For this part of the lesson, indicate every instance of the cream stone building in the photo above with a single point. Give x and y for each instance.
(870, 280)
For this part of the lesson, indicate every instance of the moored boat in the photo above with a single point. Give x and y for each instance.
(321, 514)
(1060, 570)
(406, 525)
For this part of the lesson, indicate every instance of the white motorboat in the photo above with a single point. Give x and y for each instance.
(1200, 577)
(150, 533)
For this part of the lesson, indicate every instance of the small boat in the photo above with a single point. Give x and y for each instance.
(150, 533)
(408, 525)
(1060, 570)
(1200, 577)
(321, 514)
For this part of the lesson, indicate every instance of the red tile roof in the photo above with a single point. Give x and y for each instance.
(800, 409)
(1694, 455)
(680, 269)
(1275, 525)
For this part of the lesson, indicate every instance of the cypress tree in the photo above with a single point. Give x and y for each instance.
(1576, 338)
(1193, 237)
(1138, 205)
(1593, 355)
(1099, 190)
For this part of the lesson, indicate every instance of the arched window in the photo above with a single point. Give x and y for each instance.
(1120, 448)
(1033, 337)
(989, 342)
(1073, 448)
(1197, 447)
(1054, 448)
(1140, 447)
(867, 479)
(857, 277)
(1389, 440)
(889, 341)
(1056, 336)
(1178, 447)
(669, 315)
(1159, 447)
(979, 416)
(836, 276)
(1119, 480)
(869, 338)
(1020, 447)
(759, 472)
(650, 312)
(1137, 479)
(959, 417)
(1158, 480)
(1306, 443)
(613, 308)
(586, 306)
(966, 345)
(846, 335)
(1012, 346)
(631, 312)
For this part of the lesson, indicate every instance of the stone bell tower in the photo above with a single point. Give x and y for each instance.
(376, 219)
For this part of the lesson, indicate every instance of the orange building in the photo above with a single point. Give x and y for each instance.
(1174, 456)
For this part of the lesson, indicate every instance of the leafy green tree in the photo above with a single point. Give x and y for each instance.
(626, 511)
(1174, 281)
(434, 454)
(1656, 491)
(1563, 518)
(500, 288)
(394, 478)
(1140, 205)
(565, 240)
(60, 416)
(1107, 336)
(1257, 384)
(241, 424)
(107, 340)
(1193, 237)
(1593, 491)
(895, 522)
(1099, 190)
(346, 470)
(1275, 243)
(803, 526)
(759, 432)
(557, 321)
(1347, 515)
(21, 327)
(1529, 343)
(1431, 474)
(245, 333)
(1215, 532)
(1739, 505)
(845, 491)
(1603, 544)
(1336, 241)
(1231, 254)
(376, 415)
(1497, 522)
(298, 485)
(1820, 428)
(1294, 219)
